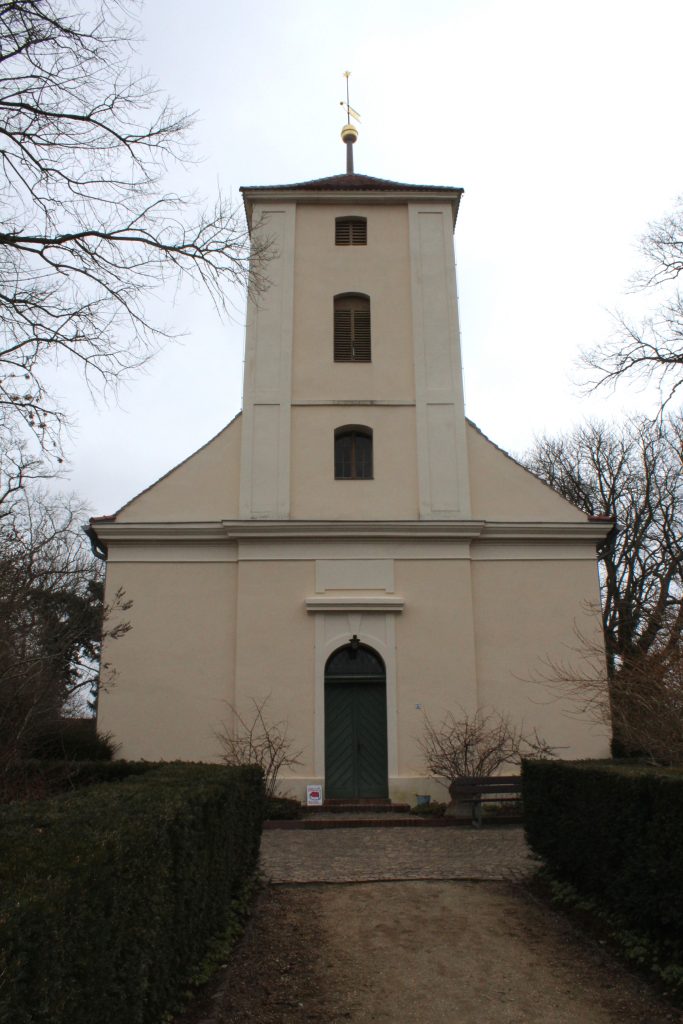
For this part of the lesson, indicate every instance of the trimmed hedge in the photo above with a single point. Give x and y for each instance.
(112, 895)
(615, 832)
(35, 779)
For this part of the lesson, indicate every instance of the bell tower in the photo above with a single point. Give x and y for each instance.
(353, 400)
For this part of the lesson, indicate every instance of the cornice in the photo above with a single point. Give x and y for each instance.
(354, 603)
(199, 532)
(290, 529)
(546, 531)
(294, 528)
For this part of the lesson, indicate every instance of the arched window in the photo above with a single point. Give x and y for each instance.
(353, 453)
(350, 231)
(351, 328)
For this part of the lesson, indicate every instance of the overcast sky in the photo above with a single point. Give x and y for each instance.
(560, 120)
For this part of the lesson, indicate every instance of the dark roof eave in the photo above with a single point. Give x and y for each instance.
(350, 183)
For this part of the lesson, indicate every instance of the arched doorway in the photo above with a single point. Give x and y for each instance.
(355, 724)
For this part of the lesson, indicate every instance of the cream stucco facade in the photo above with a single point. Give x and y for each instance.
(250, 565)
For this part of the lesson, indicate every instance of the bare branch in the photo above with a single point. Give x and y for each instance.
(86, 228)
(650, 350)
(631, 473)
(476, 745)
(252, 739)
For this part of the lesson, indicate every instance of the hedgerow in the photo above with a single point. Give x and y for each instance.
(614, 832)
(112, 895)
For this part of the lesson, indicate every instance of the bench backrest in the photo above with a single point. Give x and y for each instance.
(483, 785)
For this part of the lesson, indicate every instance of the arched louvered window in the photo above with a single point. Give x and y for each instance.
(350, 231)
(351, 329)
(353, 453)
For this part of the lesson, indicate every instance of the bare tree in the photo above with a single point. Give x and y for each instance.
(86, 227)
(51, 620)
(253, 739)
(631, 472)
(19, 469)
(652, 349)
(476, 745)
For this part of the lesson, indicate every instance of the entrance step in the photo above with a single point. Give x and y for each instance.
(365, 820)
(359, 807)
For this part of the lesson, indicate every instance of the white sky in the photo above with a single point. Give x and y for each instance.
(562, 122)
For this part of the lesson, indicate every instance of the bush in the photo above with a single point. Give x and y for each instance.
(614, 832)
(112, 895)
(75, 739)
(431, 810)
(281, 808)
(37, 779)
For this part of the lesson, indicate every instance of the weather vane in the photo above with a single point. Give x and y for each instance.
(350, 112)
(349, 132)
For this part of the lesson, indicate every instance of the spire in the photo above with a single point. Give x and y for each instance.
(349, 134)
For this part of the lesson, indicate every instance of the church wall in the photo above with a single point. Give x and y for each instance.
(175, 667)
(203, 488)
(502, 491)
(436, 658)
(275, 647)
(526, 615)
(392, 494)
(381, 270)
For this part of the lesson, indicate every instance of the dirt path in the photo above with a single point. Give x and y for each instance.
(416, 952)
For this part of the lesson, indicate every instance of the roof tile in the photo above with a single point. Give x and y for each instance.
(349, 183)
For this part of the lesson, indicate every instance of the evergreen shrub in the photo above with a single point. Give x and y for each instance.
(113, 894)
(615, 832)
(74, 739)
(281, 808)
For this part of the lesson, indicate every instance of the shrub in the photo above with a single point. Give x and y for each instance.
(253, 739)
(37, 779)
(112, 895)
(281, 808)
(430, 810)
(75, 739)
(614, 832)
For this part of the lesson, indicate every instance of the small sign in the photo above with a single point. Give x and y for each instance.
(314, 796)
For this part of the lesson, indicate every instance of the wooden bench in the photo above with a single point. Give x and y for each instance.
(493, 789)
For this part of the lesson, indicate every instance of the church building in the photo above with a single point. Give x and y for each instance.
(350, 546)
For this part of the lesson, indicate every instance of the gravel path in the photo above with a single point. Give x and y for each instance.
(427, 926)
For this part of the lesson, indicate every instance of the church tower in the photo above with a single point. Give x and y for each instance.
(350, 552)
(353, 402)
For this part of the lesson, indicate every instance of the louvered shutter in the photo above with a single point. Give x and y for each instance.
(359, 232)
(343, 335)
(361, 335)
(352, 329)
(342, 232)
(351, 231)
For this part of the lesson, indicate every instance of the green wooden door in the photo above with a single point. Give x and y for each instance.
(355, 729)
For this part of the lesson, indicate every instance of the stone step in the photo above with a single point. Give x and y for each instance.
(358, 807)
(315, 822)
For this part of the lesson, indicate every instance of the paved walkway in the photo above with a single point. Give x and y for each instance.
(390, 854)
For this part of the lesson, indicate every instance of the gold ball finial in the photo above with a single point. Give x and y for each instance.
(349, 133)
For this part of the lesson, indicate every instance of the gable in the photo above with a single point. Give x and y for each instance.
(503, 491)
(203, 488)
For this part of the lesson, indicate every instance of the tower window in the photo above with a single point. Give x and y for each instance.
(350, 231)
(353, 453)
(351, 329)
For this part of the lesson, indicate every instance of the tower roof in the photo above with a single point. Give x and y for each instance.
(351, 186)
(350, 182)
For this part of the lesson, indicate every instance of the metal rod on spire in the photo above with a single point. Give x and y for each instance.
(349, 133)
